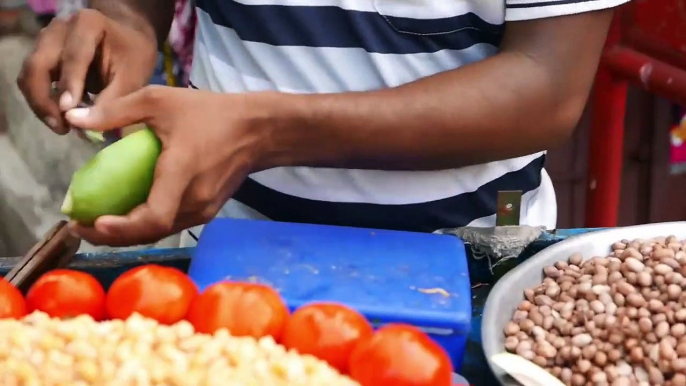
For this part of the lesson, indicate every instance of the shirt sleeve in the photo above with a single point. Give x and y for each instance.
(517, 10)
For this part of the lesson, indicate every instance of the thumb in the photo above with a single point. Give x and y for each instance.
(115, 113)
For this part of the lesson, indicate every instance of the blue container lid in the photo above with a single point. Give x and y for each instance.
(389, 276)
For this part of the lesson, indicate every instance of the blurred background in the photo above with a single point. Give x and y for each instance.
(647, 158)
(653, 183)
(36, 165)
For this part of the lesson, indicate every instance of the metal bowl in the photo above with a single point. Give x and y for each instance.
(509, 291)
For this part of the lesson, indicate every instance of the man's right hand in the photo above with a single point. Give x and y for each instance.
(87, 52)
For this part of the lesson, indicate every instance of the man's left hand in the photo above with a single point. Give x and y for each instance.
(210, 143)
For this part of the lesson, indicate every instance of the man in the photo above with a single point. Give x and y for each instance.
(397, 114)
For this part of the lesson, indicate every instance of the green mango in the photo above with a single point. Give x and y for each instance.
(116, 180)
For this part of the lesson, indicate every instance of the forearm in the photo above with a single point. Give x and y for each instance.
(153, 17)
(525, 99)
(503, 107)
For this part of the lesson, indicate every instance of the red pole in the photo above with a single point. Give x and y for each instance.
(653, 75)
(606, 148)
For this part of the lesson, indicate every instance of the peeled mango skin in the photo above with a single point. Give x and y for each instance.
(95, 136)
(116, 180)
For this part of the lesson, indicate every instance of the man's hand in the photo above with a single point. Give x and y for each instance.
(88, 52)
(210, 142)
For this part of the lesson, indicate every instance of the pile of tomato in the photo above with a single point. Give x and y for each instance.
(396, 354)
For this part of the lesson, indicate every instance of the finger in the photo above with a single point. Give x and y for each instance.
(118, 88)
(36, 76)
(116, 113)
(92, 235)
(97, 237)
(156, 218)
(172, 178)
(84, 38)
(111, 230)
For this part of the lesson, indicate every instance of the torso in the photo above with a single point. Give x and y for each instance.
(324, 46)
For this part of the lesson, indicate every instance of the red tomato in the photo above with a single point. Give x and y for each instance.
(245, 309)
(64, 293)
(161, 293)
(12, 303)
(326, 331)
(400, 355)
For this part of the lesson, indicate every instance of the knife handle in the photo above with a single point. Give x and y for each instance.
(55, 250)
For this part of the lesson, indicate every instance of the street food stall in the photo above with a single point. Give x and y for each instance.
(469, 300)
(289, 263)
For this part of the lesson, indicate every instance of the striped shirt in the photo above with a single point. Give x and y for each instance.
(328, 46)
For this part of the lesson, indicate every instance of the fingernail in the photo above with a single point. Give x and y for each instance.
(79, 113)
(51, 122)
(66, 101)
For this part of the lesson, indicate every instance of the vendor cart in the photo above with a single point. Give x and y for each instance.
(108, 266)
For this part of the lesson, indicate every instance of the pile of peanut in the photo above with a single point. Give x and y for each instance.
(616, 320)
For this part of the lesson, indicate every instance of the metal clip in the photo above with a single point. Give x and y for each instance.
(509, 207)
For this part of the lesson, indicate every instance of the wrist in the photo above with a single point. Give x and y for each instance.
(278, 121)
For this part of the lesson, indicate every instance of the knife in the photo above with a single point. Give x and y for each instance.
(94, 137)
(55, 250)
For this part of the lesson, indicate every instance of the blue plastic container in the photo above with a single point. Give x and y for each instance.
(389, 276)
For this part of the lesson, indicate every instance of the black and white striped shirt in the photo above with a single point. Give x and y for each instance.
(324, 46)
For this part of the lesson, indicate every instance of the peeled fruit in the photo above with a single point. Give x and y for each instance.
(116, 180)
(94, 136)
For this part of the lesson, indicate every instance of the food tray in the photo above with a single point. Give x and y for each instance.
(509, 291)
